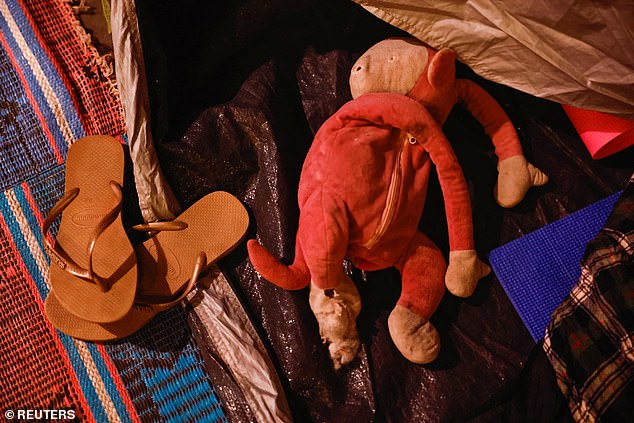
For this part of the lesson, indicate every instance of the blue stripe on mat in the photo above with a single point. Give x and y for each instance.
(22, 246)
(174, 401)
(538, 270)
(113, 390)
(162, 369)
(34, 88)
(50, 72)
(46, 189)
(29, 215)
(18, 122)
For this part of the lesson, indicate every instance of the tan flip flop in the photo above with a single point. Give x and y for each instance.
(169, 263)
(93, 267)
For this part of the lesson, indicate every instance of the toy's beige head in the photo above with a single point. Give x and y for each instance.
(408, 67)
(392, 65)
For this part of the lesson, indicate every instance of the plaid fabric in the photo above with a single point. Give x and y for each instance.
(590, 339)
(54, 90)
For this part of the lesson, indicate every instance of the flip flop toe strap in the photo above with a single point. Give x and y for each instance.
(170, 225)
(57, 253)
(201, 262)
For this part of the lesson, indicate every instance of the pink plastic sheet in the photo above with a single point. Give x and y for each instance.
(602, 134)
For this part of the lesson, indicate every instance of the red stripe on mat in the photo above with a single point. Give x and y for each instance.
(34, 104)
(100, 110)
(31, 201)
(119, 383)
(31, 338)
(36, 211)
(73, 98)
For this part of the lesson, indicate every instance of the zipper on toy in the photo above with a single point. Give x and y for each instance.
(393, 193)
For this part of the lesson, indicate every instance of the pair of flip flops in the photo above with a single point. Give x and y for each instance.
(102, 287)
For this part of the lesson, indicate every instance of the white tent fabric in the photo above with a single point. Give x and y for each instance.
(241, 349)
(574, 52)
(156, 199)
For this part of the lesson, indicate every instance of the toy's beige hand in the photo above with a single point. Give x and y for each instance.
(464, 271)
(336, 311)
(515, 177)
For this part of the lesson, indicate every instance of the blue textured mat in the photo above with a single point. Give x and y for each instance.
(538, 270)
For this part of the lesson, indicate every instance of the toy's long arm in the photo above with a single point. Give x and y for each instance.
(454, 189)
(491, 116)
(465, 268)
(515, 174)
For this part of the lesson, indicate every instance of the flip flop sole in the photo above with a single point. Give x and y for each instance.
(93, 162)
(216, 225)
(137, 317)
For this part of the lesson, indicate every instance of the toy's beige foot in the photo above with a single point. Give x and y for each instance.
(414, 336)
(515, 177)
(336, 311)
(464, 271)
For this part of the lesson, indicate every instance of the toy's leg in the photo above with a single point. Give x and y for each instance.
(422, 272)
(336, 311)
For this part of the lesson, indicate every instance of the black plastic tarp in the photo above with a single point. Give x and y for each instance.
(237, 90)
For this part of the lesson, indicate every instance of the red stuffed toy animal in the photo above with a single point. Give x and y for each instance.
(362, 191)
